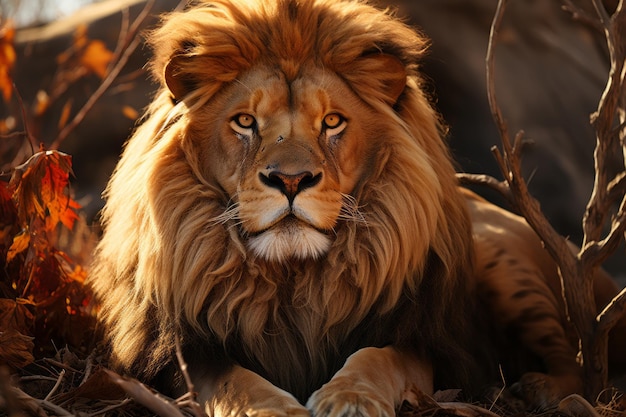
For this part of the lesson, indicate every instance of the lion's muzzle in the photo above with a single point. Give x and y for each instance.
(290, 184)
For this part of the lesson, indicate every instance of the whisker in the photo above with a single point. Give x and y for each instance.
(230, 214)
(350, 210)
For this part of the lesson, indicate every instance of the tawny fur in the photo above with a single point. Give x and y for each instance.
(168, 266)
(385, 257)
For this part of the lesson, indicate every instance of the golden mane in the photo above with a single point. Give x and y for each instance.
(169, 267)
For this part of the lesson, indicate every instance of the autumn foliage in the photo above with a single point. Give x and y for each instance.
(42, 293)
(44, 305)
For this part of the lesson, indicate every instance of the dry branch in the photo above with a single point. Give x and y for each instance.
(125, 48)
(577, 270)
(191, 393)
(144, 396)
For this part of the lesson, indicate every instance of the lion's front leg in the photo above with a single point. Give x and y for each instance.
(238, 392)
(372, 383)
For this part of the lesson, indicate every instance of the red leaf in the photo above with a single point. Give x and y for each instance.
(41, 189)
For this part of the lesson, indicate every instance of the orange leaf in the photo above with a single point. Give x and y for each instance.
(130, 113)
(7, 61)
(65, 114)
(96, 58)
(42, 102)
(20, 244)
(71, 270)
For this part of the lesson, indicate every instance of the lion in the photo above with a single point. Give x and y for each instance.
(288, 212)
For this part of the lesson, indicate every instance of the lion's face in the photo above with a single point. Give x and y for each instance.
(289, 176)
(288, 154)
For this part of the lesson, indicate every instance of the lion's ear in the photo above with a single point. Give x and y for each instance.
(386, 71)
(177, 80)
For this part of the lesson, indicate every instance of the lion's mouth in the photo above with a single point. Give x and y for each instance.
(291, 222)
(289, 237)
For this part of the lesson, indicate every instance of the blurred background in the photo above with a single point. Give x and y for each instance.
(551, 69)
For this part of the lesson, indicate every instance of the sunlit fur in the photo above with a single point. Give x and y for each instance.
(174, 262)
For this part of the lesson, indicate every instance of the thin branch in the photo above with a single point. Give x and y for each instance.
(192, 402)
(140, 393)
(602, 13)
(594, 253)
(36, 406)
(577, 271)
(57, 410)
(582, 15)
(123, 38)
(110, 408)
(612, 313)
(617, 187)
(56, 386)
(500, 187)
(604, 121)
(29, 135)
(111, 76)
(490, 63)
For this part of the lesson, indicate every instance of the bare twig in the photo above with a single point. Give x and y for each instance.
(487, 180)
(465, 410)
(191, 402)
(602, 13)
(56, 386)
(111, 408)
(88, 367)
(60, 364)
(577, 271)
(582, 15)
(120, 62)
(123, 38)
(490, 69)
(140, 393)
(36, 406)
(37, 378)
(612, 313)
(31, 139)
(509, 161)
(503, 379)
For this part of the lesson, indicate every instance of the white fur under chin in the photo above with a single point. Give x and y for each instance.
(283, 242)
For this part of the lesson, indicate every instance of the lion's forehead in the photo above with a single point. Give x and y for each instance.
(269, 95)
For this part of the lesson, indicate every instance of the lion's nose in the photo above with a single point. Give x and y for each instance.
(291, 184)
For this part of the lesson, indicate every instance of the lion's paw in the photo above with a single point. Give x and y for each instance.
(244, 406)
(344, 399)
(277, 412)
(541, 391)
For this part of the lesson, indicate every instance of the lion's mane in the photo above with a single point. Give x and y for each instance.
(168, 267)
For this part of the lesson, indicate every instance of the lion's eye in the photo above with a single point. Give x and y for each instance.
(243, 124)
(333, 124)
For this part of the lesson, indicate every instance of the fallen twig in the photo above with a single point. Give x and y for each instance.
(191, 402)
(140, 393)
(56, 386)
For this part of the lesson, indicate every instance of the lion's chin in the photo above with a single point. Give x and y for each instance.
(289, 239)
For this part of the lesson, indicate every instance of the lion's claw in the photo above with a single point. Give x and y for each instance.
(358, 400)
